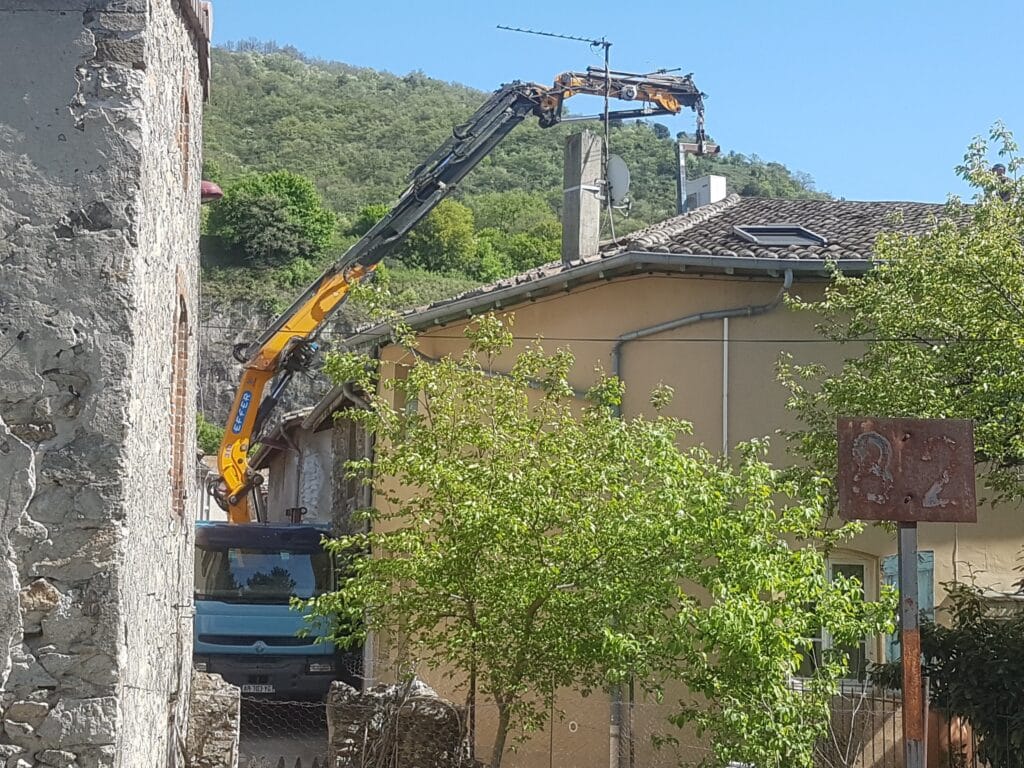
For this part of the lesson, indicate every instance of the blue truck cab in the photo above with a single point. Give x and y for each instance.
(245, 629)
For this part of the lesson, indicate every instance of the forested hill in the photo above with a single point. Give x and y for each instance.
(357, 132)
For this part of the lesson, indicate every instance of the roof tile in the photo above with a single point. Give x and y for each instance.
(849, 228)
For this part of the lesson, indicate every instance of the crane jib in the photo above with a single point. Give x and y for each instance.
(283, 347)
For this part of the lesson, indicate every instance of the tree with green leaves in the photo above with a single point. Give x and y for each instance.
(444, 241)
(527, 541)
(975, 669)
(512, 212)
(939, 322)
(367, 216)
(208, 436)
(274, 218)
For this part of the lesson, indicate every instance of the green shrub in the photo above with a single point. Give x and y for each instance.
(274, 218)
(208, 436)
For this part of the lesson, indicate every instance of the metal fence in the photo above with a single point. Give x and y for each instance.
(282, 734)
(958, 745)
(865, 732)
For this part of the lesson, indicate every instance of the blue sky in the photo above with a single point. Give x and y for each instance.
(875, 99)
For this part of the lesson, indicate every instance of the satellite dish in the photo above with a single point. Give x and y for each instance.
(618, 180)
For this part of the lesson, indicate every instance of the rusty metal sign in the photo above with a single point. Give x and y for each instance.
(907, 470)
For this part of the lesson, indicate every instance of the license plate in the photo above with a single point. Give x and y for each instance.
(252, 688)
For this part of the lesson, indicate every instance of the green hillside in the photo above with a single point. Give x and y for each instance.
(357, 133)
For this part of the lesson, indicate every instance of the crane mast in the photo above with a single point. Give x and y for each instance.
(290, 344)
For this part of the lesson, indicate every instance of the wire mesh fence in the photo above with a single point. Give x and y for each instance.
(404, 724)
(282, 734)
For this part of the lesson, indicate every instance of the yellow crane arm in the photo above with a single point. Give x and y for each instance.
(290, 344)
(289, 349)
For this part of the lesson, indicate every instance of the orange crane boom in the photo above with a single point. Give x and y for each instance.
(290, 344)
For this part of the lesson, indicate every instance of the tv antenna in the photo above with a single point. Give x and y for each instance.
(605, 45)
(602, 43)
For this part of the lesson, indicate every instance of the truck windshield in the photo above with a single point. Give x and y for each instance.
(259, 575)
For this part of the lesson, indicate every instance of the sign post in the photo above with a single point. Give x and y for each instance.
(908, 471)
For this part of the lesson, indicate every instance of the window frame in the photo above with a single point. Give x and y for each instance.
(779, 235)
(871, 588)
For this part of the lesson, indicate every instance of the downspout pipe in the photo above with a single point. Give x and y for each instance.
(751, 310)
(369, 670)
(616, 714)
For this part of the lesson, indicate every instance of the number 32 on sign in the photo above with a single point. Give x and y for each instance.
(907, 470)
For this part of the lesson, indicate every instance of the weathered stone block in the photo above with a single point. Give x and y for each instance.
(409, 723)
(213, 729)
(31, 712)
(21, 734)
(40, 596)
(129, 52)
(60, 758)
(26, 673)
(116, 22)
(54, 662)
(103, 757)
(81, 721)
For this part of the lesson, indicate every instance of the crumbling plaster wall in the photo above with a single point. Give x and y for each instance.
(300, 477)
(348, 494)
(98, 231)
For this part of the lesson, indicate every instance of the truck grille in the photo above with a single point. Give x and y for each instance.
(251, 639)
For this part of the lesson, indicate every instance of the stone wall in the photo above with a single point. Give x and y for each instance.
(100, 141)
(213, 725)
(406, 725)
(226, 323)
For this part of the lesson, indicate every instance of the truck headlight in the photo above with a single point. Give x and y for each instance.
(320, 666)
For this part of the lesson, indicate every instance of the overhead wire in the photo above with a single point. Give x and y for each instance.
(929, 342)
(432, 330)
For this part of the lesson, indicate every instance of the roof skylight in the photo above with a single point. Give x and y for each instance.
(779, 234)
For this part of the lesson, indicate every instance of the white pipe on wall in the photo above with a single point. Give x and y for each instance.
(725, 386)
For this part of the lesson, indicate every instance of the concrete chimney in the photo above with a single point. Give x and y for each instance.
(581, 203)
(705, 190)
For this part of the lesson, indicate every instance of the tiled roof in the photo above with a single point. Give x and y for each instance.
(850, 228)
(704, 239)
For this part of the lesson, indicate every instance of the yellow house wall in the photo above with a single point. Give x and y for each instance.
(588, 320)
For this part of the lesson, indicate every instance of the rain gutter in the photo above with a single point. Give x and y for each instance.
(606, 268)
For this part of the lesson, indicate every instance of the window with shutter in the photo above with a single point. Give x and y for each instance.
(865, 570)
